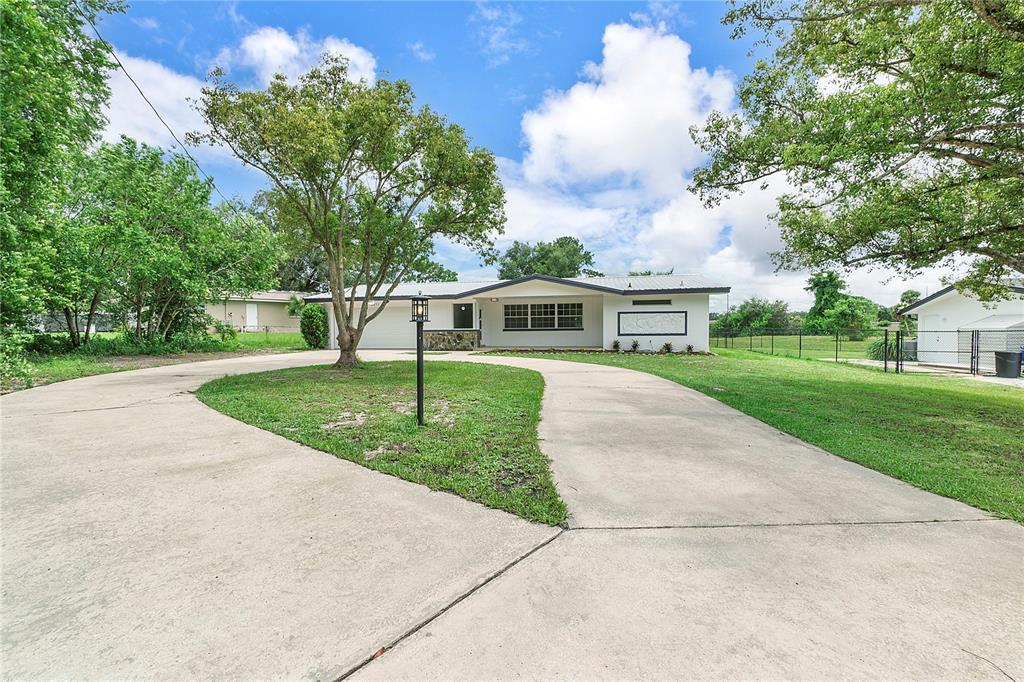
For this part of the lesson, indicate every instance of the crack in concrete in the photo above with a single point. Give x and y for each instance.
(430, 619)
(139, 403)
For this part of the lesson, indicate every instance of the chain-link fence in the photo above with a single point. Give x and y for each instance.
(967, 350)
(837, 345)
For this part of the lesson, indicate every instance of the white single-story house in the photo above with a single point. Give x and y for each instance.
(259, 311)
(947, 319)
(539, 311)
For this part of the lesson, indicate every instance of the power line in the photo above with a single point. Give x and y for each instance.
(174, 136)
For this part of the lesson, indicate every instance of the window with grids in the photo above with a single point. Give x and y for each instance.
(570, 316)
(517, 316)
(542, 316)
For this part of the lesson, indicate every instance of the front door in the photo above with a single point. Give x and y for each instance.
(252, 316)
(462, 316)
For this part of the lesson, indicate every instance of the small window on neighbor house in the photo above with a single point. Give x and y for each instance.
(652, 301)
(542, 316)
(517, 316)
(570, 316)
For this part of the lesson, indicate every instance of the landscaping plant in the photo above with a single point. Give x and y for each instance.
(314, 326)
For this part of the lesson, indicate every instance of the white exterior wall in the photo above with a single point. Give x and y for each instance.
(493, 332)
(944, 316)
(697, 311)
(393, 328)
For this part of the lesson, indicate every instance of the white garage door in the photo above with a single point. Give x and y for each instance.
(390, 329)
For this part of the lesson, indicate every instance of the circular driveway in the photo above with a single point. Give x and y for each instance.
(147, 536)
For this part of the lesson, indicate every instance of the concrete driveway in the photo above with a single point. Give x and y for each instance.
(145, 535)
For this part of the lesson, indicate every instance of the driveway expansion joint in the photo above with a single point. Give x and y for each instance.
(458, 600)
(794, 524)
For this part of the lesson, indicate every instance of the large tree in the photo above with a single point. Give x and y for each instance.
(562, 257)
(53, 85)
(374, 179)
(138, 238)
(899, 124)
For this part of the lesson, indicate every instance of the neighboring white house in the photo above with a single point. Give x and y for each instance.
(946, 319)
(549, 312)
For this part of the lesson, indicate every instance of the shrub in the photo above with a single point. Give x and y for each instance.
(616, 346)
(634, 346)
(689, 349)
(193, 342)
(313, 325)
(876, 349)
(13, 366)
(48, 344)
(666, 347)
(225, 330)
(295, 306)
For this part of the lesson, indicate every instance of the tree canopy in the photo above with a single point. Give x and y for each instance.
(562, 257)
(53, 80)
(370, 178)
(753, 315)
(139, 239)
(899, 124)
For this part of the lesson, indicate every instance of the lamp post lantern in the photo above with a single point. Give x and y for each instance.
(420, 314)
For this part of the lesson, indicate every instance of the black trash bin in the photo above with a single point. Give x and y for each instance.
(1008, 364)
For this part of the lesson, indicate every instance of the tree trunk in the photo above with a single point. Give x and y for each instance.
(348, 339)
(72, 322)
(93, 304)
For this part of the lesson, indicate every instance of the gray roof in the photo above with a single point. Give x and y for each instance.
(1014, 285)
(650, 284)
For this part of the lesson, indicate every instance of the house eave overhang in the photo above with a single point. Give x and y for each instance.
(469, 293)
(939, 294)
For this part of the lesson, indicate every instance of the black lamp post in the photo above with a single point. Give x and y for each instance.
(420, 314)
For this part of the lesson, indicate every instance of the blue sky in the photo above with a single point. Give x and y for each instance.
(586, 105)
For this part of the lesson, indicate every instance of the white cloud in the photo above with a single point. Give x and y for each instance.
(148, 23)
(627, 122)
(498, 32)
(609, 158)
(269, 50)
(420, 51)
(168, 90)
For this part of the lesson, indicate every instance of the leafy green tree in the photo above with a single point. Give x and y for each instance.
(854, 316)
(898, 122)
(827, 287)
(371, 179)
(909, 297)
(562, 257)
(141, 240)
(53, 80)
(432, 271)
(753, 315)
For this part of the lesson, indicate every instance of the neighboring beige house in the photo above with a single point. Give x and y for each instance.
(259, 311)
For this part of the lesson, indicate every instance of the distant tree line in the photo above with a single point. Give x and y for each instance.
(833, 310)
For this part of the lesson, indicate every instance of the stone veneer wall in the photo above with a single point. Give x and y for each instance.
(467, 339)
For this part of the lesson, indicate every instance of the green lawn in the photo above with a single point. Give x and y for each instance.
(807, 346)
(276, 340)
(48, 369)
(953, 436)
(480, 440)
